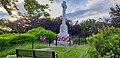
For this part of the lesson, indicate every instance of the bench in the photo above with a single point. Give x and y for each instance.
(35, 53)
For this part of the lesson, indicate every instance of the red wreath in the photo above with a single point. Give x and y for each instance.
(43, 38)
(63, 38)
(40, 37)
(67, 39)
(58, 38)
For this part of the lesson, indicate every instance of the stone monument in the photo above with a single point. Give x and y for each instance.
(63, 36)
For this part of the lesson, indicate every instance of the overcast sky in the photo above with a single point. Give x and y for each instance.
(76, 9)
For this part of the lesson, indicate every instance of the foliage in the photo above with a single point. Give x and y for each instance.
(9, 6)
(7, 40)
(115, 11)
(36, 9)
(115, 15)
(41, 32)
(75, 29)
(2, 24)
(105, 44)
(2, 31)
(23, 25)
(83, 30)
(32, 7)
(89, 27)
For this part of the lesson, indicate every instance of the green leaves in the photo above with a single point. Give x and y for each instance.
(7, 40)
(32, 7)
(41, 32)
(36, 9)
(106, 42)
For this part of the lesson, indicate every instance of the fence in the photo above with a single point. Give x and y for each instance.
(79, 41)
(48, 41)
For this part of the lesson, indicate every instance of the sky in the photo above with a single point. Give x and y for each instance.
(76, 9)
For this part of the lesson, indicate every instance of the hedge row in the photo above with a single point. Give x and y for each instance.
(105, 44)
(42, 32)
(7, 40)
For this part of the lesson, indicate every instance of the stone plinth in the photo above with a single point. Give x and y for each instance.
(63, 42)
(63, 38)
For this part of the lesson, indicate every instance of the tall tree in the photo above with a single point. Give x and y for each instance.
(115, 14)
(115, 11)
(10, 5)
(36, 9)
(32, 7)
(89, 27)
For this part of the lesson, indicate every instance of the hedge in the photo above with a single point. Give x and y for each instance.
(42, 32)
(7, 40)
(105, 44)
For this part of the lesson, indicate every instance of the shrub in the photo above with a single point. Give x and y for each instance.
(4, 42)
(7, 40)
(20, 38)
(42, 32)
(105, 44)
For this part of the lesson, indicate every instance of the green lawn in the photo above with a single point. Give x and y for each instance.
(75, 51)
(12, 50)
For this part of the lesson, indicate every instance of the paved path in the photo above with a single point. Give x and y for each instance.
(44, 49)
(9, 56)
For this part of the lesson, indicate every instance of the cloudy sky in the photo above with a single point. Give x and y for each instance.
(76, 9)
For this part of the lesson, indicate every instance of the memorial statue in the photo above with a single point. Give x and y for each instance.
(63, 36)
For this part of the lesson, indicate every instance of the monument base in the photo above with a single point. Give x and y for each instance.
(63, 42)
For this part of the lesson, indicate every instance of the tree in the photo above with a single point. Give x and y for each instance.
(10, 5)
(115, 11)
(106, 22)
(36, 9)
(32, 7)
(22, 25)
(2, 25)
(89, 27)
(115, 15)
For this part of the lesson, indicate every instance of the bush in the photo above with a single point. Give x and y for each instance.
(7, 40)
(42, 32)
(4, 42)
(105, 44)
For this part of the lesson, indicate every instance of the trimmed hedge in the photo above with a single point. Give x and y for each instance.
(105, 44)
(7, 40)
(42, 32)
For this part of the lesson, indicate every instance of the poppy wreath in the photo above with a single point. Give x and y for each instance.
(58, 38)
(43, 38)
(67, 39)
(64, 39)
(40, 37)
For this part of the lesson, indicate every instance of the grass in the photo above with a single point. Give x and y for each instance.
(12, 50)
(72, 52)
